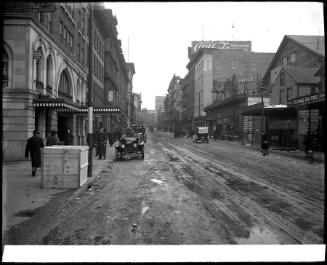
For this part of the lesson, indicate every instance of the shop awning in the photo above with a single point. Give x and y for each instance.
(62, 105)
(101, 110)
(256, 109)
(59, 104)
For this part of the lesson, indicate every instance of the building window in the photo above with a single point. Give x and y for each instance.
(288, 93)
(39, 66)
(284, 61)
(253, 65)
(61, 26)
(234, 64)
(5, 69)
(281, 96)
(49, 71)
(292, 58)
(282, 79)
(64, 85)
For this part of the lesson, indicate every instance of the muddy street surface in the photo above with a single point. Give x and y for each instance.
(188, 193)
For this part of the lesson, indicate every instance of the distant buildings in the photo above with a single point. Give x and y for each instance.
(226, 83)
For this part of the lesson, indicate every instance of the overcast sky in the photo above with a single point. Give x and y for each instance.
(160, 32)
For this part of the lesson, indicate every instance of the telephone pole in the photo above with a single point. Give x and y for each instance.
(90, 92)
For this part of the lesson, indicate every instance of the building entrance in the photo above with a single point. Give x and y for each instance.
(65, 121)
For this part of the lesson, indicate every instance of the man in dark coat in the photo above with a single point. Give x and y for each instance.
(52, 139)
(69, 138)
(33, 146)
(101, 144)
(264, 144)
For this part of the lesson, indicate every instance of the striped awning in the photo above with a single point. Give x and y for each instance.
(59, 104)
(63, 105)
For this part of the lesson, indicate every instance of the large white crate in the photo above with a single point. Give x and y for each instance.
(64, 166)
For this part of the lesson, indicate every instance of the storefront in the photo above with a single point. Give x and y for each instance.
(310, 112)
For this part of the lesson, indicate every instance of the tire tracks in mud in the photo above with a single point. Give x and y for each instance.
(275, 220)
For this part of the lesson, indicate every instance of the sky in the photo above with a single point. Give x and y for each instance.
(155, 35)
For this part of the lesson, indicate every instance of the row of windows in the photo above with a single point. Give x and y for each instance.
(98, 94)
(98, 68)
(66, 37)
(98, 44)
(234, 65)
(289, 59)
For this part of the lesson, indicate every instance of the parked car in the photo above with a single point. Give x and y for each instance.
(201, 134)
(130, 143)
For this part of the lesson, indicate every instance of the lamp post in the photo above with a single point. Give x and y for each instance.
(90, 103)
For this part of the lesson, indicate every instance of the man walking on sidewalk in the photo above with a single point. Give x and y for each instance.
(33, 146)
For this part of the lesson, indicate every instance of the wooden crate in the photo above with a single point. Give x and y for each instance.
(64, 166)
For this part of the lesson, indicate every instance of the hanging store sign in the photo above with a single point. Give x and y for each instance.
(307, 99)
(221, 45)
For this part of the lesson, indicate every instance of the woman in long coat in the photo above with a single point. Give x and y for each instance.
(33, 146)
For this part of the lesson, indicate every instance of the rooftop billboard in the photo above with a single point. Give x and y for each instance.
(221, 45)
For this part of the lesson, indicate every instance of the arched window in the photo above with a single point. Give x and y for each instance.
(38, 55)
(5, 69)
(49, 71)
(64, 85)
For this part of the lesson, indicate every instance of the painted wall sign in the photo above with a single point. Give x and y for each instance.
(221, 45)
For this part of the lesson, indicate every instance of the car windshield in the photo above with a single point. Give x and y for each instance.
(129, 133)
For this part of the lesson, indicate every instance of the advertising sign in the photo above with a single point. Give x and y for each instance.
(307, 99)
(256, 100)
(221, 45)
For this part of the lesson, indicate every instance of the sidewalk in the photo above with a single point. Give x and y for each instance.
(22, 192)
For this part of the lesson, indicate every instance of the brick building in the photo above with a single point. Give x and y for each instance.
(226, 74)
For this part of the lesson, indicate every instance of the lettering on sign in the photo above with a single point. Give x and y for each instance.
(307, 99)
(256, 100)
(222, 45)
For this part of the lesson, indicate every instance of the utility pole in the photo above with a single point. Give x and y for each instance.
(90, 92)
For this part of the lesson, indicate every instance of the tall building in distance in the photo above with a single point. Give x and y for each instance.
(160, 103)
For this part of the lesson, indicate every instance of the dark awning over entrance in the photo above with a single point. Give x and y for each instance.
(63, 105)
(256, 109)
(59, 104)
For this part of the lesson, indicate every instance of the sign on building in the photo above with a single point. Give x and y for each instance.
(257, 100)
(221, 45)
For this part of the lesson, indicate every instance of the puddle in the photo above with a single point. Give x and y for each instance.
(158, 181)
(144, 209)
(259, 236)
(25, 213)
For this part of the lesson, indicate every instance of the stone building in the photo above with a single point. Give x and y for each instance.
(45, 75)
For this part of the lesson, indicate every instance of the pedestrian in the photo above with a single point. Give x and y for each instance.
(69, 138)
(33, 147)
(264, 144)
(307, 143)
(52, 139)
(101, 144)
(111, 139)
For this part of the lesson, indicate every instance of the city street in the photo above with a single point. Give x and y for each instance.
(188, 193)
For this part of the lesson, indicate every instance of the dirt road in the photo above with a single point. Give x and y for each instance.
(187, 193)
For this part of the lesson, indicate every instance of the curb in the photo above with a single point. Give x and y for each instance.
(88, 182)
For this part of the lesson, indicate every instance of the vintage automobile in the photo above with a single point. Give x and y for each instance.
(201, 134)
(140, 131)
(129, 144)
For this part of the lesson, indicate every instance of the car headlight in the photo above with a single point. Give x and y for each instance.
(142, 143)
(122, 146)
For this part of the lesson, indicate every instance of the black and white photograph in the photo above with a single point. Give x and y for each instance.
(163, 131)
